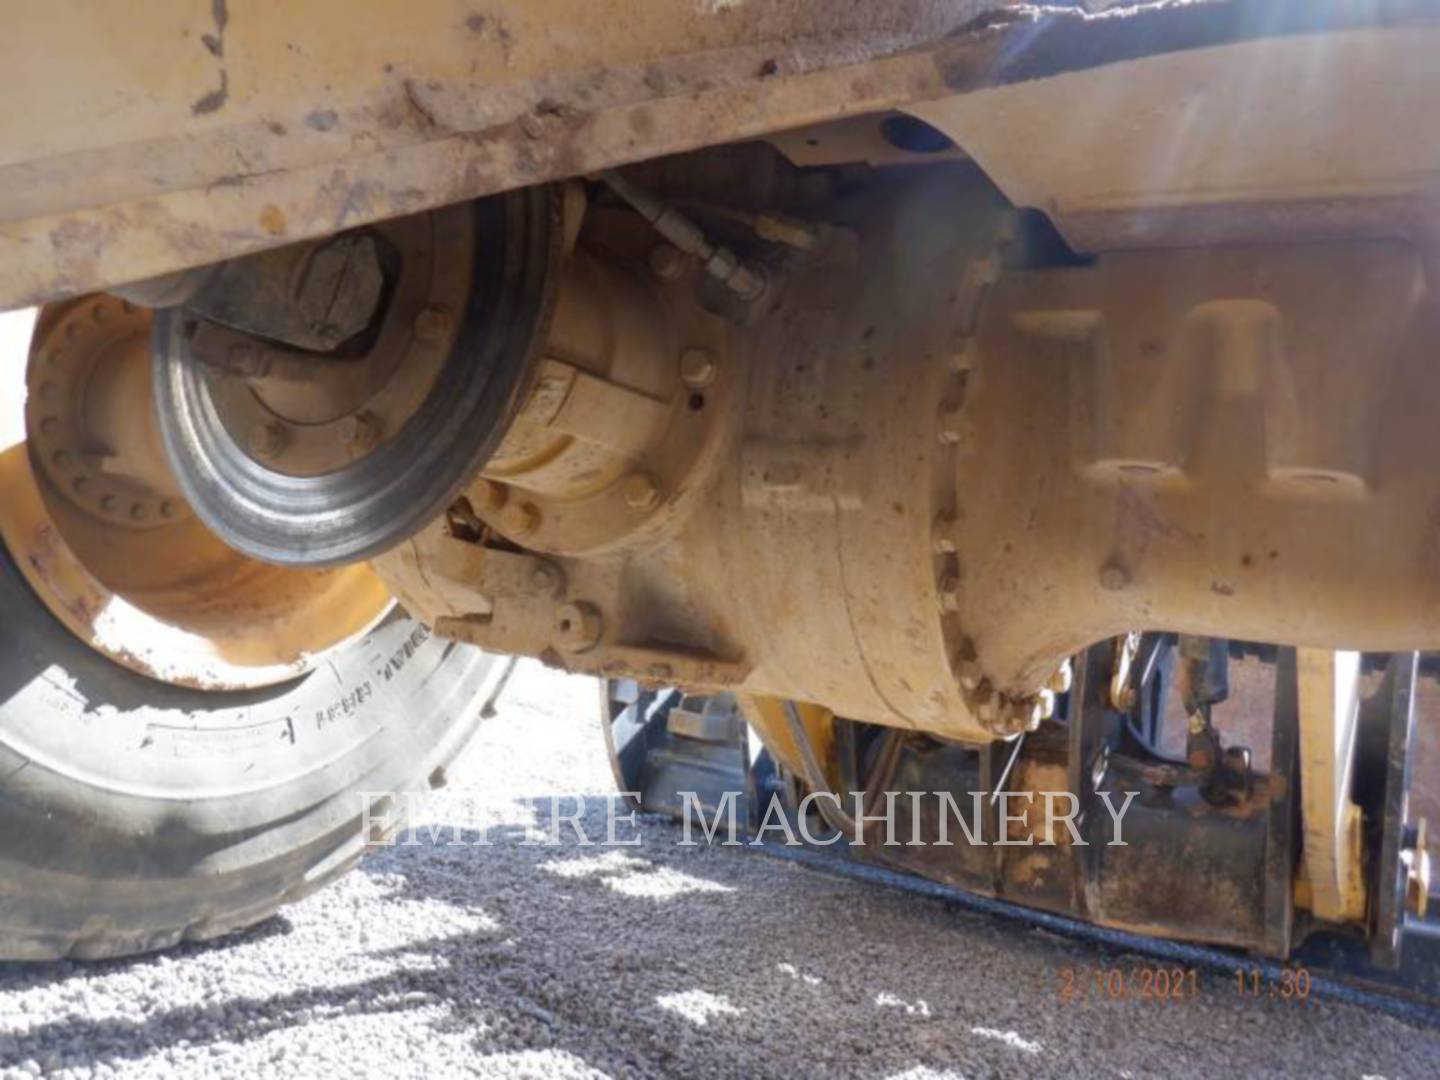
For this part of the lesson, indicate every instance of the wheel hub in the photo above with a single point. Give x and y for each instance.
(92, 371)
(94, 519)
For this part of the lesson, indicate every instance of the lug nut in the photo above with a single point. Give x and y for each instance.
(641, 492)
(697, 367)
(432, 326)
(360, 433)
(950, 593)
(246, 361)
(668, 263)
(942, 534)
(543, 579)
(269, 440)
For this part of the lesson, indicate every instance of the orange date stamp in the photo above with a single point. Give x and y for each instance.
(1164, 984)
(1159, 984)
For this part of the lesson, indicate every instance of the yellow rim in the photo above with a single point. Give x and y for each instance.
(97, 526)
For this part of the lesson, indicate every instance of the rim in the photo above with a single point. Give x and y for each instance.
(481, 277)
(100, 530)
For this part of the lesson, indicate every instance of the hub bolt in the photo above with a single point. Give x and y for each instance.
(543, 579)
(432, 326)
(697, 367)
(950, 593)
(361, 432)
(269, 440)
(668, 263)
(641, 492)
(246, 361)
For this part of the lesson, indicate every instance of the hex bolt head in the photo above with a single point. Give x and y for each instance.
(361, 432)
(970, 672)
(949, 589)
(697, 367)
(641, 491)
(1062, 680)
(432, 326)
(543, 579)
(520, 519)
(962, 359)
(1017, 716)
(577, 627)
(942, 534)
(246, 361)
(337, 287)
(668, 263)
(269, 440)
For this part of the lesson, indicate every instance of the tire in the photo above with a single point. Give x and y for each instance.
(135, 814)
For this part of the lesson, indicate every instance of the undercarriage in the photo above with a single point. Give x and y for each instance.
(1018, 424)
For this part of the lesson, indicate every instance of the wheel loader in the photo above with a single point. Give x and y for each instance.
(1023, 406)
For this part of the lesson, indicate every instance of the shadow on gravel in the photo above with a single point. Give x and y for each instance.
(510, 987)
(661, 959)
(23, 976)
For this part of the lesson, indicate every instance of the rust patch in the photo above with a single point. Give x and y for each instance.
(272, 219)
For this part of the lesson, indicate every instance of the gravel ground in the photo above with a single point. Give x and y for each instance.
(518, 959)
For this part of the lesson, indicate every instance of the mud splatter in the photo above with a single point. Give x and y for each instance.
(215, 45)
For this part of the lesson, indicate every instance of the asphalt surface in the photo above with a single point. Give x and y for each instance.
(517, 958)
